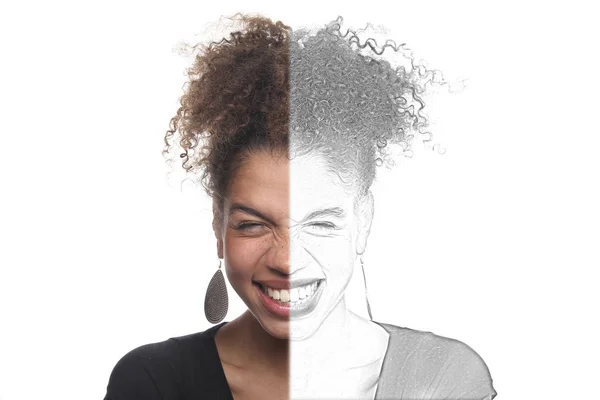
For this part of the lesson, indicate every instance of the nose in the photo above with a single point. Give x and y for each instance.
(287, 256)
(298, 256)
(278, 254)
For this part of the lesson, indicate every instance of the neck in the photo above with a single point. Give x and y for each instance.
(333, 336)
(246, 340)
(265, 343)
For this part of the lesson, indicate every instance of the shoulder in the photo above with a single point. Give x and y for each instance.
(436, 366)
(159, 370)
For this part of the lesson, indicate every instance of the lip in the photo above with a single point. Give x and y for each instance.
(298, 311)
(273, 306)
(307, 308)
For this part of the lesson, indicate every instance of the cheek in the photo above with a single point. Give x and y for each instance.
(242, 254)
(335, 255)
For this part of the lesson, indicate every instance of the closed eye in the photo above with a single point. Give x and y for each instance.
(324, 225)
(250, 227)
(321, 227)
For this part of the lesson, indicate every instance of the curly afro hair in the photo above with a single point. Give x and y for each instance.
(236, 100)
(269, 87)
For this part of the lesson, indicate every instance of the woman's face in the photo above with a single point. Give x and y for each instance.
(290, 237)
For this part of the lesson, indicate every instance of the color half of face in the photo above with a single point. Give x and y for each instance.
(254, 238)
(289, 241)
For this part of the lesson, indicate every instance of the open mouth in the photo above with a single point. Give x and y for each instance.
(293, 297)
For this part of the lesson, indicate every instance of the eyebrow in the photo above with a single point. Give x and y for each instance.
(336, 212)
(249, 210)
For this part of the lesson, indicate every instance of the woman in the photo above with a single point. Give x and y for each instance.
(287, 128)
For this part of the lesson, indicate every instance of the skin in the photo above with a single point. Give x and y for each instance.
(293, 220)
(254, 347)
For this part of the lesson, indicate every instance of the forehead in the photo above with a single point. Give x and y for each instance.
(313, 185)
(260, 179)
(288, 188)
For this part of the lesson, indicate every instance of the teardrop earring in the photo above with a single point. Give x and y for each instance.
(362, 266)
(216, 302)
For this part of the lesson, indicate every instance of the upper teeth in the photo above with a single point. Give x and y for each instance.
(292, 295)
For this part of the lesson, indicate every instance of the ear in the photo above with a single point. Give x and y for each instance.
(365, 214)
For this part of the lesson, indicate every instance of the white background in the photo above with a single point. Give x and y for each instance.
(494, 243)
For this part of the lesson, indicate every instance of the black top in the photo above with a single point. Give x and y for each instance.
(417, 365)
(182, 368)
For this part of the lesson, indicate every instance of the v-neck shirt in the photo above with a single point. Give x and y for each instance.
(417, 365)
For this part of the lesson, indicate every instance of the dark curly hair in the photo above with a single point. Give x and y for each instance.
(269, 87)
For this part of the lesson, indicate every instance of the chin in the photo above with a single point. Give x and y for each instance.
(304, 327)
(276, 326)
(277, 329)
(297, 335)
(301, 329)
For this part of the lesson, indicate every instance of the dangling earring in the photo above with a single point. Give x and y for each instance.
(216, 302)
(362, 266)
